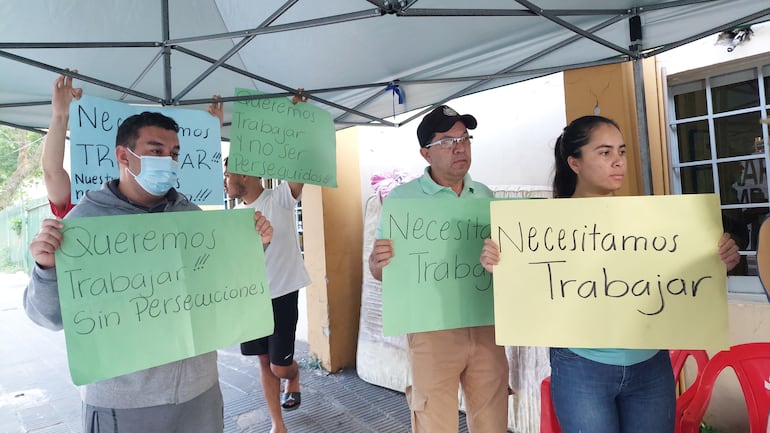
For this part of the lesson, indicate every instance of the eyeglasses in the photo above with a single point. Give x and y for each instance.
(450, 142)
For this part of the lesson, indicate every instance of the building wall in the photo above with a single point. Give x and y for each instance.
(749, 318)
(512, 145)
(333, 239)
(707, 53)
(656, 128)
(608, 91)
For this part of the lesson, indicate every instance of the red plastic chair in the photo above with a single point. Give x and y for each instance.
(679, 357)
(751, 363)
(549, 423)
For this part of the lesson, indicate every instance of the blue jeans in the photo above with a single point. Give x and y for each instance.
(592, 397)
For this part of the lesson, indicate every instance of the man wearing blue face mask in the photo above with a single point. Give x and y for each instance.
(181, 396)
(158, 175)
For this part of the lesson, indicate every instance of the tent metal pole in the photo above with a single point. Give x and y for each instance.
(234, 50)
(485, 79)
(669, 5)
(268, 82)
(534, 73)
(562, 44)
(25, 128)
(282, 27)
(381, 91)
(428, 12)
(86, 78)
(45, 45)
(406, 10)
(641, 126)
(143, 74)
(574, 28)
(25, 104)
(165, 16)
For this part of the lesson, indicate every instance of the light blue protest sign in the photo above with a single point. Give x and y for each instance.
(94, 124)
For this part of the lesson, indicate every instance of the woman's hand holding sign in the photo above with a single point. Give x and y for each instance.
(728, 251)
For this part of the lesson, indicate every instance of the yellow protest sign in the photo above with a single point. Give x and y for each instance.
(613, 272)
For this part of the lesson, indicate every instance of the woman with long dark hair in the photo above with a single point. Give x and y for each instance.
(605, 390)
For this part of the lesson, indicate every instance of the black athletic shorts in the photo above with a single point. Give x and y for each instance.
(280, 345)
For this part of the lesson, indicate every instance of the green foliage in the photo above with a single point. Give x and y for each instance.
(16, 225)
(9, 156)
(19, 162)
(310, 362)
(705, 428)
(6, 264)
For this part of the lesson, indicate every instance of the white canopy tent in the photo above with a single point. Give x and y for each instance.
(354, 58)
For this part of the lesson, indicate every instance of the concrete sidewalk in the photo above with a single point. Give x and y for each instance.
(36, 394)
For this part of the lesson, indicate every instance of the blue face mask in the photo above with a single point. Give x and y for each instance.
(157, 175)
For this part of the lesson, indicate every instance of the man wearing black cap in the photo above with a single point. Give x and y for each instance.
(442, 360)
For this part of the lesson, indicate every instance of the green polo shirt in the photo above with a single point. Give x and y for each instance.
(425, 187)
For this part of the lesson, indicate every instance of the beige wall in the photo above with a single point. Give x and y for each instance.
(656, 128)
(333, 240)
(611, 89)
(315, 262)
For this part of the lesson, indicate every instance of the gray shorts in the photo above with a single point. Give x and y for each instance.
(203, 414)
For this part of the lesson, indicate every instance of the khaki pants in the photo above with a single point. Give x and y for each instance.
(442, 360)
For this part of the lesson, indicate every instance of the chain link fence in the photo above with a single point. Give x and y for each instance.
(18, 225)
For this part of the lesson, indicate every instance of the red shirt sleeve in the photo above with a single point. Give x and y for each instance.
(61, 213)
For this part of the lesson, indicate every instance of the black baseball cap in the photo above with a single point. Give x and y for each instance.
(441, 119)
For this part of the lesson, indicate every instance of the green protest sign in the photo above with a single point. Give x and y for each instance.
(276, 139)
(138, 291)
(435, 280)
